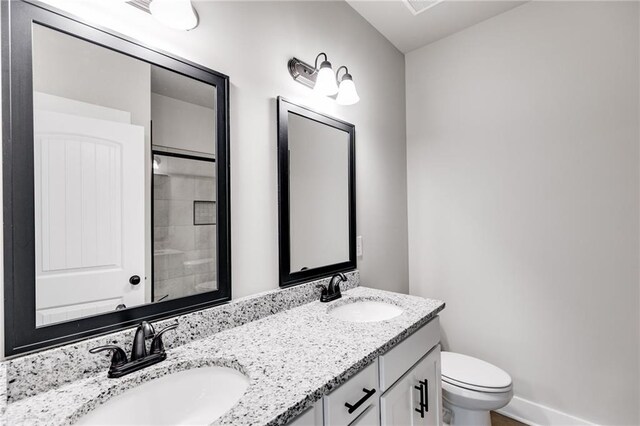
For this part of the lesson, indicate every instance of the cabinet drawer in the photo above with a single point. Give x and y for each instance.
(370, 417)
(361, 390)
(403, 356)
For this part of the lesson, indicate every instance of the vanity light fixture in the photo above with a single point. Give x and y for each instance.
(325, 81)
(322, 80)
(347, 94)
(176, 14)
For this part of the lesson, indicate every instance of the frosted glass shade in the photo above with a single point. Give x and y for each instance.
(326, 81)
(176, 14)
(347, 94)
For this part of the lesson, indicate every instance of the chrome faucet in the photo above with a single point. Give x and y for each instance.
(140, 357)
(332, 292)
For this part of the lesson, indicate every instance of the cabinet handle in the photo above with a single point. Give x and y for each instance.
(425, 383)
(421, 409)
(368, 393)
(424, 397)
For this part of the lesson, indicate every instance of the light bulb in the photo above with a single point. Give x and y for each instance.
(347, 94)
(326, 81)
(176, 14)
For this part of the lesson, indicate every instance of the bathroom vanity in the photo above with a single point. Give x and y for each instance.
(401, 387)
(303, 364)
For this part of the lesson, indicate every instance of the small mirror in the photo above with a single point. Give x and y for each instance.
(317, 208)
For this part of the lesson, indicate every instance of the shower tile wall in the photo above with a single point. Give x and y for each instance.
(184, 253)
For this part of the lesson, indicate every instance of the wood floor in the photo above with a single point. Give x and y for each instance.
(500, 420)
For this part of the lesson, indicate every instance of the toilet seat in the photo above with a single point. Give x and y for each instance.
(457, 396)
(475, 387)
(473, 374)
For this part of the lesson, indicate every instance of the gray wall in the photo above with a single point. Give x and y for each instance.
(524, 187)
(183, 125)
(72, 68)
(252, 42)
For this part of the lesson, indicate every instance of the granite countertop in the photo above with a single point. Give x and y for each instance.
(291, 358)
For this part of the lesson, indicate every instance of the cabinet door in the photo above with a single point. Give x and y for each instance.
(311, 417)
(416, 398)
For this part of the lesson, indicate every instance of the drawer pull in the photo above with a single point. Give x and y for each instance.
(368, 393)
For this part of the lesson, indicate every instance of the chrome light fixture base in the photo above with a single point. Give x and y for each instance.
(302, 72)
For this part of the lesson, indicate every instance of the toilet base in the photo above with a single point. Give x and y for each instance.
(472, 408)
(465, 417)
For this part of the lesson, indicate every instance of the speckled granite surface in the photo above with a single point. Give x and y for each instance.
(3, 388)
(39, 372)
(291, 358)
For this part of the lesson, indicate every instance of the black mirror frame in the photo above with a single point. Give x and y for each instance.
(288, 278)
(21, 334)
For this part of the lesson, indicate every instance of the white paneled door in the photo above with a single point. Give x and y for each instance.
(89, 215)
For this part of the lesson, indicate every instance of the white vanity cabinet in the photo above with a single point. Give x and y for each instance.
(410, 380)
(400, 388)
(369, 417)
(311, 417)
(415, 398)
(355, 401)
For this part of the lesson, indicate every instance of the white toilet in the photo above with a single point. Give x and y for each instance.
(471, 388)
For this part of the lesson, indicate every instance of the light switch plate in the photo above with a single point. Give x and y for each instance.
(359, 246)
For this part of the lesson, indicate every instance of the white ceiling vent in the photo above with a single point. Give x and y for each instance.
(418, 6)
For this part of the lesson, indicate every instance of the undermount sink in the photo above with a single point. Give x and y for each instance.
(190, 397)
(365, 311)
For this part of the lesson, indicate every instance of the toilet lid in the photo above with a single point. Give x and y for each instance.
(472, 373)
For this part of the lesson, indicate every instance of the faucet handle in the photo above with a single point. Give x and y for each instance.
(156, 344)
(119, 357)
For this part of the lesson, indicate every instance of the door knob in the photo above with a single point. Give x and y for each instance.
(134, 280)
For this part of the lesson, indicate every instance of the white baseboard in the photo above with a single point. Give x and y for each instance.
(535, 414)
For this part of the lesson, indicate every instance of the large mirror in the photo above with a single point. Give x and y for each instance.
(316, 160)
(116, 181)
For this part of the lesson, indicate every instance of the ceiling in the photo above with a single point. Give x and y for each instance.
(410, 24)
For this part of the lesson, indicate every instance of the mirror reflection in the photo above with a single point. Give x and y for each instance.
(125, 185)
(318, 193)
(184, 226)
